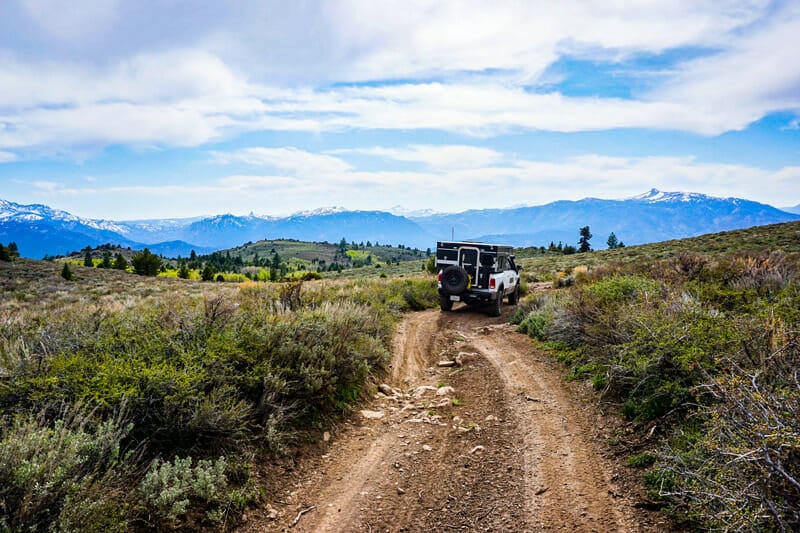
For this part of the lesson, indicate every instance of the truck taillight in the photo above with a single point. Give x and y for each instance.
(492, 283)
(439, 278)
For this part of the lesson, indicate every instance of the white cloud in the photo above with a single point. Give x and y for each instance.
(424, 37)
(226, 107)
(48, 186)
(434, 156)
(170, 76)
(257, 183)
(7, 157)
(290, 159)
(532, 181)
(488, 109)
(792, 125)
(756, 74)
(485, 57)
(508, 181)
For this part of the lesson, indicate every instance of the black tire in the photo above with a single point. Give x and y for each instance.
(445, 302)
(513, 298)
(454, 279)
(497, 305)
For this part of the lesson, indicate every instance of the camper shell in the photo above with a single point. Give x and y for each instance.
(476, 273)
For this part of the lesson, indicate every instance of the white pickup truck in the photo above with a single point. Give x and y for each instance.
(476, 273)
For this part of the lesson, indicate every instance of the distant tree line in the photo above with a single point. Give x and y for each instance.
(213, 266)
(584, 244)
(108, 258)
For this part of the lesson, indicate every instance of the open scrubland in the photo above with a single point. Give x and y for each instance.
(135, 402)
(697, 344)
(151, 403)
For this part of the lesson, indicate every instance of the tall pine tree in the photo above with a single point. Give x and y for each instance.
(612, 241)
(583, 242)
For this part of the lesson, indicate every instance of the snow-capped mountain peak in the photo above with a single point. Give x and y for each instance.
(322, 211)
(655, 196)
(10, 211)
(412, 213)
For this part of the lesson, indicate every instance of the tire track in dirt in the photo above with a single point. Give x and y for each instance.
(412, 346)
(355, 471)
(567, 483)
(497, 444)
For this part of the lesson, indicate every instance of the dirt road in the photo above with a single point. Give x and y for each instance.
(495, 442)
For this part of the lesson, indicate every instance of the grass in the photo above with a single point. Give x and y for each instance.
(179, 382)
(696, 340)
(784, 237)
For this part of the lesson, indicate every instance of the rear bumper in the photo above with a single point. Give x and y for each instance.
(472, 296)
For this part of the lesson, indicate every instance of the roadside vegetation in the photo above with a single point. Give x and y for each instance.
(697, 344)
(140, 403)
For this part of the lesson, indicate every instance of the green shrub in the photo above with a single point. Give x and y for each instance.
(535, 324)
(419, 295)
(621, 290)
(642, 460)
(223, 371)
(66, 272)
(169, 488)
(534, 315)
(743, 472)
(708, 347)
(66, 473)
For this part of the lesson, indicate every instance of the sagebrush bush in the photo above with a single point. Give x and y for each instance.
(46, 470)
(706, 351)
(169, 488)
(203, 374)
(534, 315)
(743, 472)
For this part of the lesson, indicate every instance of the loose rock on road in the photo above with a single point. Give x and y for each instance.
(474, 431)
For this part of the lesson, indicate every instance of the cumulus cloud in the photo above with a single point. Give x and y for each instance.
(757, 73)
(442, 183)
(417, 39)
(469, 68)
(299, 179)
(534, 182)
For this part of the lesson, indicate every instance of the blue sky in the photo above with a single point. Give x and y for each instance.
(153, 109)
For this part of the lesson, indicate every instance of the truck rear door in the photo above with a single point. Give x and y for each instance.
(468, 259)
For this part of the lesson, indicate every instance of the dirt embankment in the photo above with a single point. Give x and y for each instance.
(495, 442)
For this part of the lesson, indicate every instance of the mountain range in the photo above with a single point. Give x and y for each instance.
(40, 230)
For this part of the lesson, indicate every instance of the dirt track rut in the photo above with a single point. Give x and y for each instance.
(497, 443)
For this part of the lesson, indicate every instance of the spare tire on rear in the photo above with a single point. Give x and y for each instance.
(454, 279)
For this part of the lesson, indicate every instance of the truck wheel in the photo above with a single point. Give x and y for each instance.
(497, 306)
(513, 298)
(454, 279)
(445, 303)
